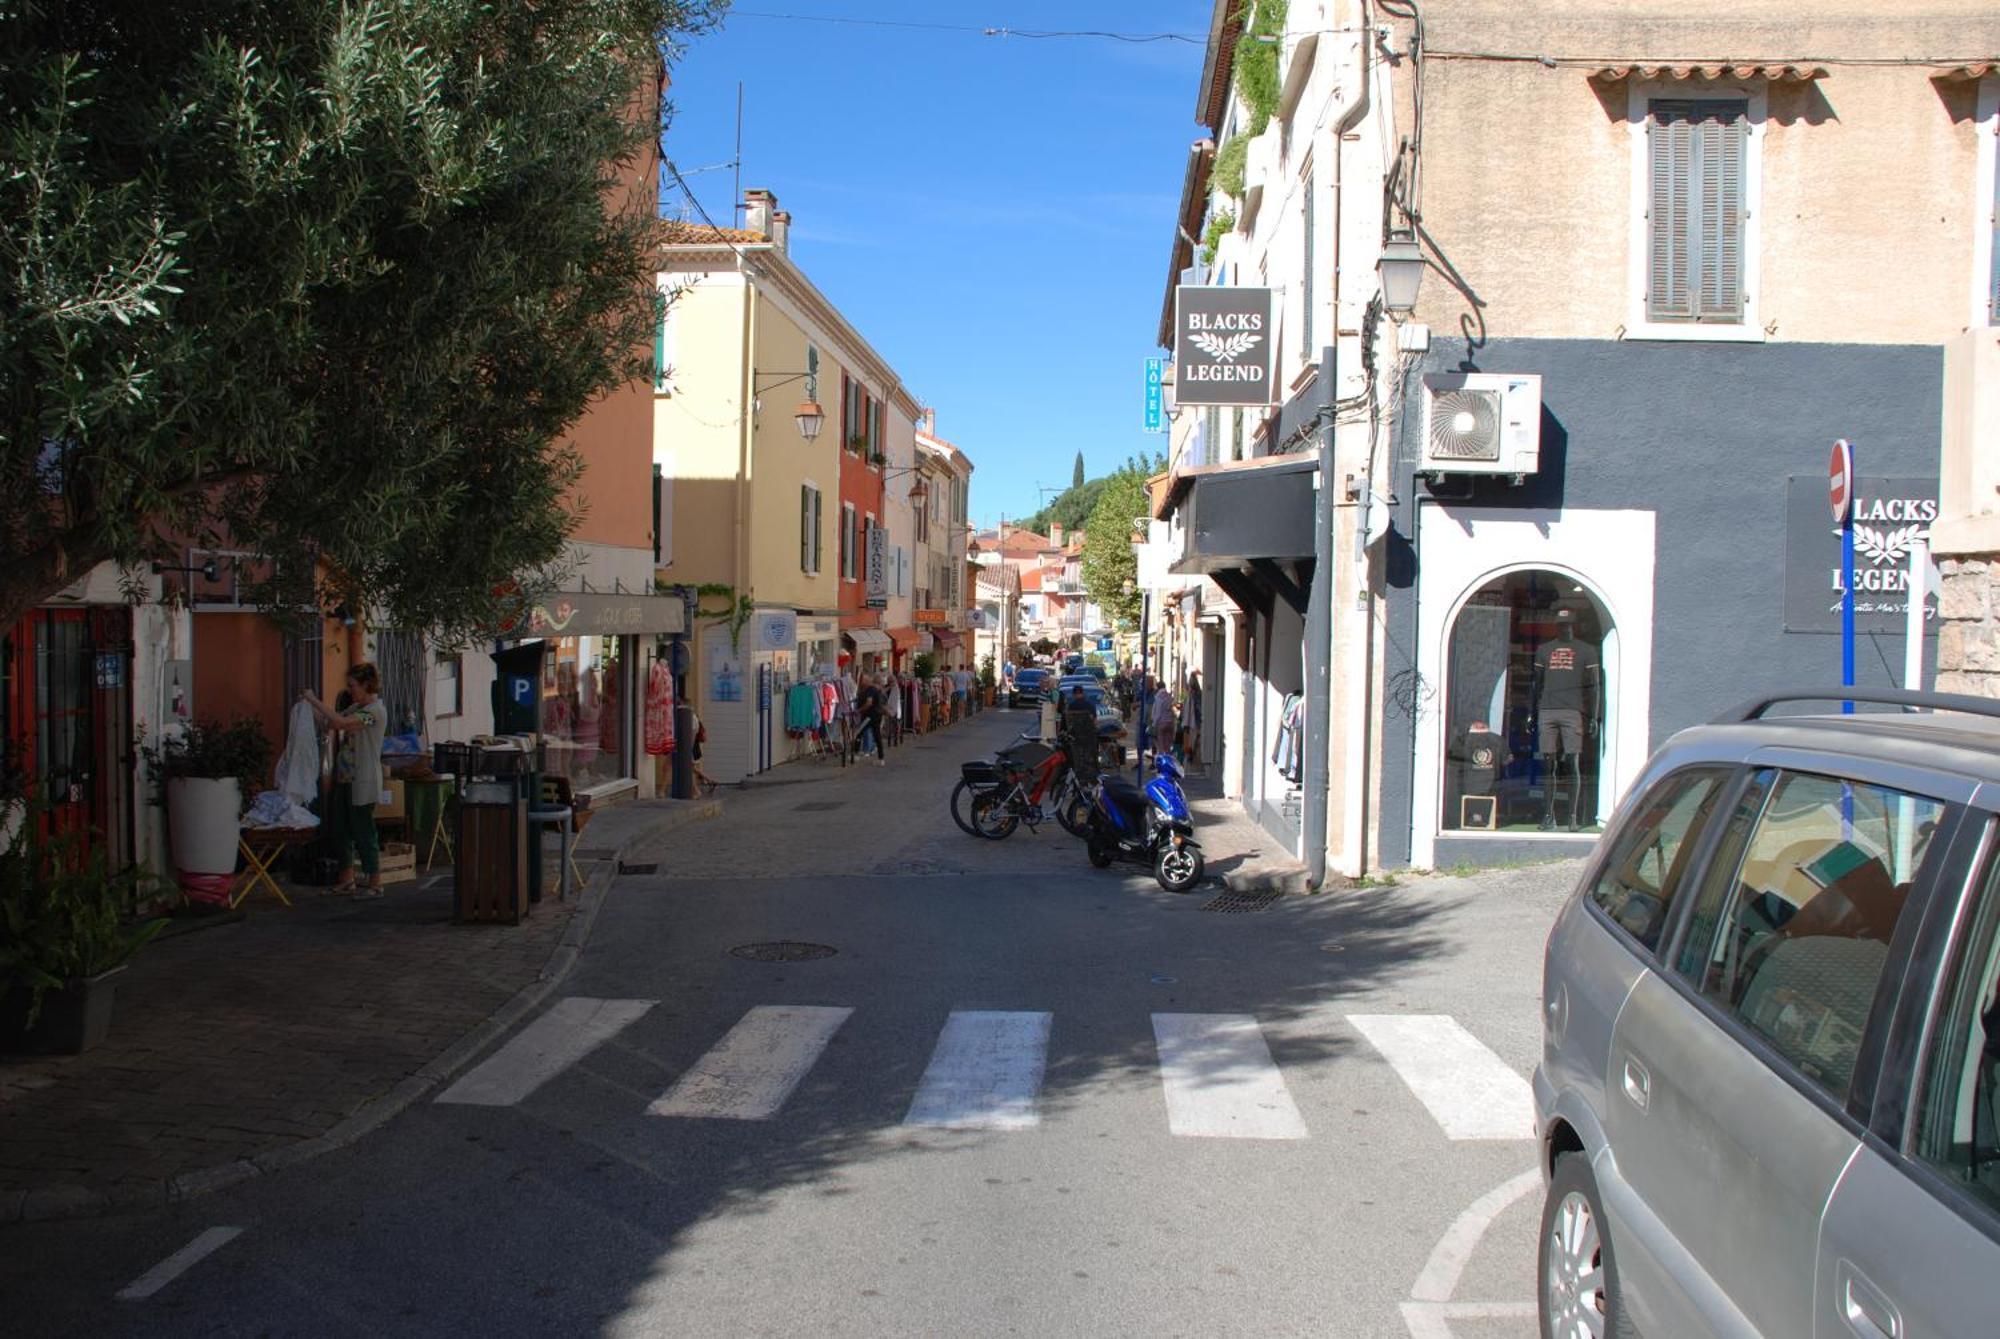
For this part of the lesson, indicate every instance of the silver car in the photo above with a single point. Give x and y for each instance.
(1771, 1053)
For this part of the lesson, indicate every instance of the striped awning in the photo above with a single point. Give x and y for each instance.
(868, 641)
(1777, 74)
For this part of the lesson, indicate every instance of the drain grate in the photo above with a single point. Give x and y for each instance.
(783, 950)
(639, 867)
(1235, 902)
(817, 806)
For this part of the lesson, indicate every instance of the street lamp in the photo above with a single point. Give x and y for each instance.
(809, 416)
(1401, 268)
(919, 490)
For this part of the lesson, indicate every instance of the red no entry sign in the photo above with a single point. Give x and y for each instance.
(1840, 480)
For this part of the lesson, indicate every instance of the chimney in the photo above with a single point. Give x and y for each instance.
(758, 206)
(781, 230)
(930, 423)
(1055, 534)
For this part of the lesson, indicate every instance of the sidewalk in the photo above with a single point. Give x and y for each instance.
(254, 1042)
(1240, 853)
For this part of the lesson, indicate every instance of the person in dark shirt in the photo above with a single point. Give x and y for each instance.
(870, 705)
(1080, 732)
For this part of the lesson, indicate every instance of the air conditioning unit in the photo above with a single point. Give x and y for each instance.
(1482, 423)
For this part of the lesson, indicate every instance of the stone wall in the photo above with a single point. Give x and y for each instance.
(1968, 654)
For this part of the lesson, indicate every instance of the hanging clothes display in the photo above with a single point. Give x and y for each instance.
(660, 710)
(802, 710)
(298, 767)
(1288, 754)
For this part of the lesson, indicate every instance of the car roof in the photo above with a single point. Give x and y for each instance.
(1964, 745)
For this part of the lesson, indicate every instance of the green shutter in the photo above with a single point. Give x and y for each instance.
(659, 341)
(817, 549)
(805, 527)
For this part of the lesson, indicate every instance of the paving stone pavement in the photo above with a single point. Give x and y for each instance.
(247, 1036)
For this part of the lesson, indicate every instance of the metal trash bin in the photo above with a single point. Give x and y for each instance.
(492, 880)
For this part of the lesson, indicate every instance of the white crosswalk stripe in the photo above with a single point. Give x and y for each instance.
(1470, 1092)
(985, 1072)
(754, 1068)
(570, 1030)
(1220, 1079)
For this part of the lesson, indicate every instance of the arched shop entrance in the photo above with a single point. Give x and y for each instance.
(1530, 668)
(1489, 591)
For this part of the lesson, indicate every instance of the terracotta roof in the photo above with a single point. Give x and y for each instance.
(1031, 580)
(1777, 74)
(679, 232)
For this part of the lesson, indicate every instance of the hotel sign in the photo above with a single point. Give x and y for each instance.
(1889, 516)
(930, 618)
(1224, 345)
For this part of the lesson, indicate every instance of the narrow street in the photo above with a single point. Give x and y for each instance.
(1018, 1095)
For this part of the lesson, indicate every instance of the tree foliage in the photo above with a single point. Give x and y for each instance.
(1076, 474)
(321, 281)
(1108, 561)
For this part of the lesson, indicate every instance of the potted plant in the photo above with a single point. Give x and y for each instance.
(210, 773)
(66, 934)
(986, 679)
(924, 666)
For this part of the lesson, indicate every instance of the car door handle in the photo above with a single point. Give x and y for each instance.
(1867, 1312)
(1638, 1083)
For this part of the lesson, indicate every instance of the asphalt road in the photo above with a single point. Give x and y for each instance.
(1145, 1117)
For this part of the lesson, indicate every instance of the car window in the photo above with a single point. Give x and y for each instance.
(1958, 1121)
(1647, 863)
(1793, 925)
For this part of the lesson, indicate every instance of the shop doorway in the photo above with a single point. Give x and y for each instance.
(66, 705)
(1529, 669)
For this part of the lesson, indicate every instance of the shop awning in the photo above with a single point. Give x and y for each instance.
(906, 639)
(868, 641)
(946, 638)
(1777, 74)
(1237, 518)
(577, 614)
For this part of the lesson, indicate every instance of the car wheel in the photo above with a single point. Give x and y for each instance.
(1178, 868)
(1578, 1293)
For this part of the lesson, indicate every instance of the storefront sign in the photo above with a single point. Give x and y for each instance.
(1156, 395)
(775, 630)
(578, 614)
(1223, 345)
(930, 618)
(878, 567)
(1889, 516)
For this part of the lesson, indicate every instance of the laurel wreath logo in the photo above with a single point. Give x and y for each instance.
(1225, 348)
(1883, 546)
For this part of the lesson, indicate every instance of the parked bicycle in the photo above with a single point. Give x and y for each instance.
(1024, 783)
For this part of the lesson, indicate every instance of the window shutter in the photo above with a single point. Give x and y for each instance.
(659, 341)
(1719, 148)
(1698, 155)
(805, 527)
(1993, 251)
(817, 549)
(1306, 349)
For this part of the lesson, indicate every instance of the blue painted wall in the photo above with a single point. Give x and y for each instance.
(1704, 435)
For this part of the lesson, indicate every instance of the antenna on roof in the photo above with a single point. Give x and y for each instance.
(736, 184)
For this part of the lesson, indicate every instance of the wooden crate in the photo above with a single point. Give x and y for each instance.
(399, 862)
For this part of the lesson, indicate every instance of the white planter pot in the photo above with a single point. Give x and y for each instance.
(202, 815)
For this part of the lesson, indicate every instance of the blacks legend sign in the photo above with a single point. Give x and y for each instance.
(1225, 341)
(1889, 515)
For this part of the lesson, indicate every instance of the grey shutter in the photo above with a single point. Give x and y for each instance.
(805, 527)
(817, 550)
(1695, 215)
(1993, 258)
(1306, 348)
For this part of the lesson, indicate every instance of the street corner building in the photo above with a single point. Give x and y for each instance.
(800, 508)
(1552, 394)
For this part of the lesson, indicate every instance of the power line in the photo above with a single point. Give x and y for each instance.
(983, 31)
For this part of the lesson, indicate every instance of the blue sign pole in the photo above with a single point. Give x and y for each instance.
(1847, 606)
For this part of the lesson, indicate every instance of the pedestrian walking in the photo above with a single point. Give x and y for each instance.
(1163, 719)
(892, 689)
(701, 779)
(357, 777)
(870, 706)
(958, 678)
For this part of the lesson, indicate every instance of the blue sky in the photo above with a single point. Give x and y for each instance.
(993, 214)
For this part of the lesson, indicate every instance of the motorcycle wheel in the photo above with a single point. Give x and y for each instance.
(1101, 852)
(990, 818)
(962, 796)
(1178, 868)
(1073, 812)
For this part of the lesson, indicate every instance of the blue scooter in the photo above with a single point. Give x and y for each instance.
(1150, 827)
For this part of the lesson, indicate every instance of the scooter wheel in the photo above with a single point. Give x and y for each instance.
(1101, 854)
(1178, 868)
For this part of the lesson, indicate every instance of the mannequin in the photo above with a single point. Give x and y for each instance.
(1565, 699)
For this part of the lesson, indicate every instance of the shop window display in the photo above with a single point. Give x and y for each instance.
(582, 710)
(1525, 707)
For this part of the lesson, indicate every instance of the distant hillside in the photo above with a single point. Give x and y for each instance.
(1073, 505)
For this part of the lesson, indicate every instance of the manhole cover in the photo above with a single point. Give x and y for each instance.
(640, 867)
(817, 806)
(783, 950)
(1233, 902)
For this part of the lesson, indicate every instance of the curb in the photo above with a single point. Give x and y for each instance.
(1290, 882)
(46, 1203)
